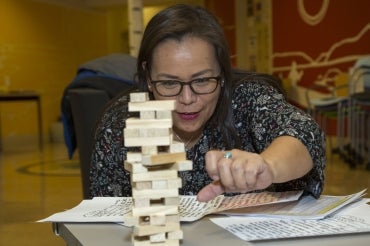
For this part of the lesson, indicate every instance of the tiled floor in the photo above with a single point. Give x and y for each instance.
(34, 186)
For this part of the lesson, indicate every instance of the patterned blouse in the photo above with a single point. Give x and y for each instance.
(261, 114)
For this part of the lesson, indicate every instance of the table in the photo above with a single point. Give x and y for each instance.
(13, 96)
(202, 232)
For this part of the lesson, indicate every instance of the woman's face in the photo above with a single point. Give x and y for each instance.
(186, 60)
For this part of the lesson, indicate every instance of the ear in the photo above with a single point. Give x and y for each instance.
(143, 65)
(222, 82)
(150, 88)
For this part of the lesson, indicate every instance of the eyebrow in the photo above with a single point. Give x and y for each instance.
(197, 74)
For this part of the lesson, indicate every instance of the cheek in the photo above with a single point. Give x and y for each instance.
(156, 96)
(210, 104)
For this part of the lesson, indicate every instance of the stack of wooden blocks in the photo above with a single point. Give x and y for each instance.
(154, 171)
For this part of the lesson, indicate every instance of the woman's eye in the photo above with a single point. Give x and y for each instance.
(169, 83)
(200, 81)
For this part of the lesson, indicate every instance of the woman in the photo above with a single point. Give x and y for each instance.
(242, 135)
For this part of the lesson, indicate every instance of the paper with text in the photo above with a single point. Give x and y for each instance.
(352, 219)
(282, 204)
(257, 199)
(117, 209)
(306, 208)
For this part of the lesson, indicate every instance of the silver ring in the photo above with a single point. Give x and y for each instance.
(228, 155)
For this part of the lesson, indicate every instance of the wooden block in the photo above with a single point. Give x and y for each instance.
(148, 123)
(160, 237)
(133, 156)
(156, 105)
(146, 137)
(175, 201)
(146, 230)
(155, 194)
(143, 216)
(149, 114)
(154, 132)
(142, 202)
(174, 183)
(173, 218)
(177, 235)
(184, 165)
(166, 184)
(163, 158)
(176, 147)
(145, 241)
(164, 114)
(135, 167)
(158, 210)
(143, 185)
(146, 141)
(139, 96)
(159, 184)
(157, 219)
(154, 175)
(149, 150)
(131, 133)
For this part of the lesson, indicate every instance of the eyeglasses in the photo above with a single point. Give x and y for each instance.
(200, 86)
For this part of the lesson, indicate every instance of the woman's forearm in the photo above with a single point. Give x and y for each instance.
(288, 158)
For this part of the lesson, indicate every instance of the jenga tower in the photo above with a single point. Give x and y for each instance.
(154, 174)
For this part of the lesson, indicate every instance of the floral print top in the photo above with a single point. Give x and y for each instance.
(261, 114)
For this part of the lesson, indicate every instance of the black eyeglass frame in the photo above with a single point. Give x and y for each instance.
(216, 78)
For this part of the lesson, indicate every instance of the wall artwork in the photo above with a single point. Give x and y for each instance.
(317, 42)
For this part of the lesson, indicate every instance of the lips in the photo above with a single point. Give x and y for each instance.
(188, 116)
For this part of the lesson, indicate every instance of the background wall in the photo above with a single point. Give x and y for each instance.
(304, 42)
(41, 46)
(317, 42)
(42, 43)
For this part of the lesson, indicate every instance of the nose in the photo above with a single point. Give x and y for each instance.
(187, 96)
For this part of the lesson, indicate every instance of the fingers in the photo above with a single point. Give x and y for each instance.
(212, 159)
(210, 191)
(240, 171)
(239, 176)
(227, 167)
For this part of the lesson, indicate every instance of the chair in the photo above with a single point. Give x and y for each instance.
(358, 147)
(328, 108)
(96, 83)
(86, 104)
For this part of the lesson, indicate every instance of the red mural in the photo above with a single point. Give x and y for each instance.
(315, 40)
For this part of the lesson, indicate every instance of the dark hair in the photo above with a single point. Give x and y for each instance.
(177, 22)
(241, 76)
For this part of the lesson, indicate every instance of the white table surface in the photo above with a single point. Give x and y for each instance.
(202, 232)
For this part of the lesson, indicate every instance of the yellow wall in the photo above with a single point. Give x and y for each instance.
(41, 47)
(117, 33)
